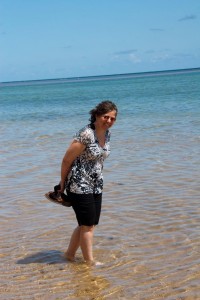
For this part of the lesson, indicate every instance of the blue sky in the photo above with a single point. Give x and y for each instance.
(44, 39)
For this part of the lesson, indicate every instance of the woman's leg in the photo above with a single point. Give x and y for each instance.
(73, 244)
(83, 237)
(87, 208)
(86, 242)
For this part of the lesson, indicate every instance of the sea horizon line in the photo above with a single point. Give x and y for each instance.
(99, 77)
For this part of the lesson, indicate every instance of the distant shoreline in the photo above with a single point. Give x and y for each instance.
(98, 77)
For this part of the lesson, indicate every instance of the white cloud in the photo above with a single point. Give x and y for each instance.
(134, 58)
(127, 55)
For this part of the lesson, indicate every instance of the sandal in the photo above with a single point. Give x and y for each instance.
(59, 198)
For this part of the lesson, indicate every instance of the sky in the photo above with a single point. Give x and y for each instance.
(46, 39)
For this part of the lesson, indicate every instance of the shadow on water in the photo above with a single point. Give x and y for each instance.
(44, 257)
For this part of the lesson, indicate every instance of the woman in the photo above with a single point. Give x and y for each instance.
(81, 176)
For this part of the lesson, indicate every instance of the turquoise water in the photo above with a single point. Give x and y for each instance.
(148, 235)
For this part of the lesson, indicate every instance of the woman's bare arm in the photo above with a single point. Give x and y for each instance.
(74, 150)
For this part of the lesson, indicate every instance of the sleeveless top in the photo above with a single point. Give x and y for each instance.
(85, 176)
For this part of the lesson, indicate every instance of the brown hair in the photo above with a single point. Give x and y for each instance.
(101, 109)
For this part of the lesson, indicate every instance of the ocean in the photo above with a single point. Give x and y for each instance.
(148, 237)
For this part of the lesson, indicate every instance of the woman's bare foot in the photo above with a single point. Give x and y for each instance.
(93, 263)
(98, 263)
(69, 257)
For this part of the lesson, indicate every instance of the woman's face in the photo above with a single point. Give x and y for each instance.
(106, 120)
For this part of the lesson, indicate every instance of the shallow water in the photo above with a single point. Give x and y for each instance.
(148, 237)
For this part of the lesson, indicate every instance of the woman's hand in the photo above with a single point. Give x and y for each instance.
(62, 187)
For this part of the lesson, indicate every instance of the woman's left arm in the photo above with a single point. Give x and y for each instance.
(74, 150)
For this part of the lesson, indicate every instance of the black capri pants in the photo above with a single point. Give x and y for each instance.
(87, 208)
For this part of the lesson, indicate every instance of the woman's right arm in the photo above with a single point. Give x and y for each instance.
(74, 150)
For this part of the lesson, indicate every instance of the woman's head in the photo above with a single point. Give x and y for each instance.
(101, 109)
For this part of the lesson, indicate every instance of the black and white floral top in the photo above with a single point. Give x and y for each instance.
(86, 176)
